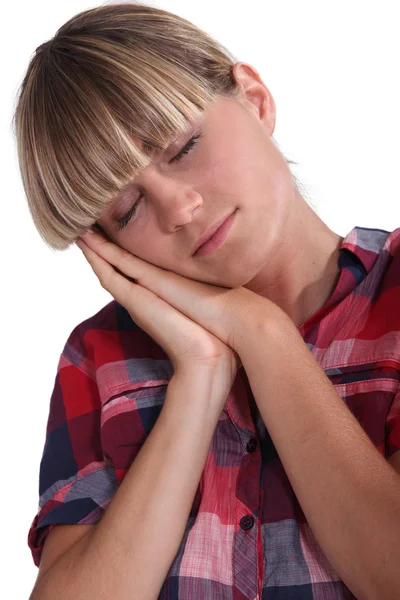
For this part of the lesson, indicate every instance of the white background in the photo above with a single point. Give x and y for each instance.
(333, 69)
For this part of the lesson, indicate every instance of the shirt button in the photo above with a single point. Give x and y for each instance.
(251, 445)
(246, 522)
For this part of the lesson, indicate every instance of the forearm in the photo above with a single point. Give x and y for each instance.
(349, 494)
(130, 551)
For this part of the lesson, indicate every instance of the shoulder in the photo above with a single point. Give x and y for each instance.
(110, 348)
(392, 249)
(381, 294)
(386, 275)
(103, 326)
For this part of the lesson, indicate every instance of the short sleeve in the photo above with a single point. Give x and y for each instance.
(76, 483)
(393, 426)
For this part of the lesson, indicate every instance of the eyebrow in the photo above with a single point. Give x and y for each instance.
(148, 149)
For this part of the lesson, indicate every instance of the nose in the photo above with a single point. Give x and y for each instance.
(175, 204)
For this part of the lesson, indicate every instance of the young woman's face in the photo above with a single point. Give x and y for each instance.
(233, 166)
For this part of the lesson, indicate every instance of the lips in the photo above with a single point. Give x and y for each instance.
(209, 233)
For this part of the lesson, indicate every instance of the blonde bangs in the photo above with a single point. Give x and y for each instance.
(109, 74)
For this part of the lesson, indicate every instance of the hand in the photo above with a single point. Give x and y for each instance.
(188, 344)
(224, 312)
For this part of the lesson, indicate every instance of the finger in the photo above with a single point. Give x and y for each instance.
(173, 331)
(121, 288)
(169, 285)
(203, 303)
(126, 262)
(150, 276)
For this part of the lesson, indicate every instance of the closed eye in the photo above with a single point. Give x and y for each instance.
(186, 148)
(123, 221)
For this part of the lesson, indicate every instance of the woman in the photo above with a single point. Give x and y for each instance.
(229, 425)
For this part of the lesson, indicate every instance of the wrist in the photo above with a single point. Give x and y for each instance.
(195, 395)
(272, 324)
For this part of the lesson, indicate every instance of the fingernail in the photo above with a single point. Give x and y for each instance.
(86, 234)
(88, 230)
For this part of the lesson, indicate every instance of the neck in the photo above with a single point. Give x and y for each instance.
(302, 276)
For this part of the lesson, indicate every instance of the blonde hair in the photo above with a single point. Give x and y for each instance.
(108, 73)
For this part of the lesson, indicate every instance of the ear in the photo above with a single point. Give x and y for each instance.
(255, 95)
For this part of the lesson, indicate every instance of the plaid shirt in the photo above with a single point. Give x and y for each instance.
(256, 543)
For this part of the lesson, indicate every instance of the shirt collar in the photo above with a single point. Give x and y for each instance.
(358, 253)
(365, 244)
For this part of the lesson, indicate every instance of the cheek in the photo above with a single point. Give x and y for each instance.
(251, 167)
(225, 179)
(267, 176)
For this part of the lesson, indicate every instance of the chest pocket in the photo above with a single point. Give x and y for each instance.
(127, 418)
(126, 421)
(132, 395)
(368, 391)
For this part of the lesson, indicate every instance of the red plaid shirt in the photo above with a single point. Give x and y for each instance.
(110, 387)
